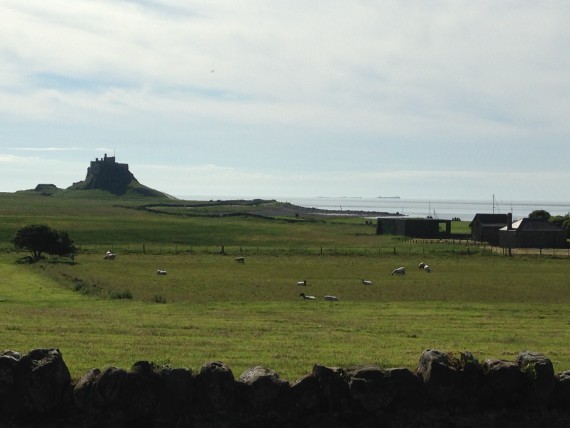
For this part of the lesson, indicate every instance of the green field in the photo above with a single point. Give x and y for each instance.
(210, 307)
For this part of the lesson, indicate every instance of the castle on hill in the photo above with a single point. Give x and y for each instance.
(98, 165)
(109, 175)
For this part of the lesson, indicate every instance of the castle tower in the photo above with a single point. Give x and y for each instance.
(107, 174)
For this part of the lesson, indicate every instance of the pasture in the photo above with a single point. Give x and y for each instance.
(101, 313)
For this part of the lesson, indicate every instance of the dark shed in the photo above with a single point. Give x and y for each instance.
(485, 227)
(414, 227)
(532, 233)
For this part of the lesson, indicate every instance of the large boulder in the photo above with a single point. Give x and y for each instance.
(505, 384)
(541, 372)
(440, 375)
(370, 387)
(262, 387)
(263, 399)
(115, 395)
(139, 394)
(561, 395)
(218, 384)
(43, 382)
(8, 399)
(335, 393)
(108, 388)
(178, 391)
(305, 393)
(85, 390)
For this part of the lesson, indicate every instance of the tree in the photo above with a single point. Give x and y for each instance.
(561, 221)
(540, 214)
(40, 238)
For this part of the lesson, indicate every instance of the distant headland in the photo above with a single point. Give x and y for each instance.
(108, 175)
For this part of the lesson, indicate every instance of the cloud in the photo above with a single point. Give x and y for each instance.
(394, 67)
(10, 158)
(47, 149)
(388, 85)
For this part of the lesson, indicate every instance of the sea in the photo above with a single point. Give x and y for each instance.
(445, 209)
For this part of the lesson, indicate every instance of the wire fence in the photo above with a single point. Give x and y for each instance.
(399, 247)
(407, 248)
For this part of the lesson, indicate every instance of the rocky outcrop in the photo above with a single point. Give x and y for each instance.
(445, 390)
(111, 176)
(35, 385)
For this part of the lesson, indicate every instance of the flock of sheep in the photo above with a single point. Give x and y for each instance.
(398, 271)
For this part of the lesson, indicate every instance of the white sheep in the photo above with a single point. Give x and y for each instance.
(161, 272)
(305, 297)
(399, 271)
(302, 283)
(331, 298)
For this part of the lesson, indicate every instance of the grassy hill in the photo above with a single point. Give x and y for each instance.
(102, 313)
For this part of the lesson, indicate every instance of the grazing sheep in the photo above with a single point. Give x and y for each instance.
(399, 271)
(305, 297)
(366, 282)
(427, 268)
(161, 272)
(109, 256)
(421, 265)
(331, 298)
(303, 282)
(240, 259)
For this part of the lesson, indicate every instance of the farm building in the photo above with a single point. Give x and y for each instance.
(485, 227)
(532, 233)
(414, 227)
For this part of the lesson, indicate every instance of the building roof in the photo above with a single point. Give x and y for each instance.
(490, 219)
(534, 225)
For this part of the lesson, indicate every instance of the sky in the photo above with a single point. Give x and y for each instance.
(421, 99)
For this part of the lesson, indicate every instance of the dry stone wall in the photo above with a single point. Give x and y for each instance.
(443, 391)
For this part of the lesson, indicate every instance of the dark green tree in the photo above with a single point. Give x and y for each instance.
(540, 214)
(563, 221)
(40, 238)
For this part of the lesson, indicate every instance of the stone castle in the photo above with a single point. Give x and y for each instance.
(107, 174)
(98, 165)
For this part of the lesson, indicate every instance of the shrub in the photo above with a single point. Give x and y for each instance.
(159, 298)
(126, 294)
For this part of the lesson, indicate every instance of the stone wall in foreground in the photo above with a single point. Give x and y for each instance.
(444, 391)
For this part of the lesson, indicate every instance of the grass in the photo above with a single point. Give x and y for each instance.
(209, 307)
(246, 318)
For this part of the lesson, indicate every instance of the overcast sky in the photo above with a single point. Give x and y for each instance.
(416, 98)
